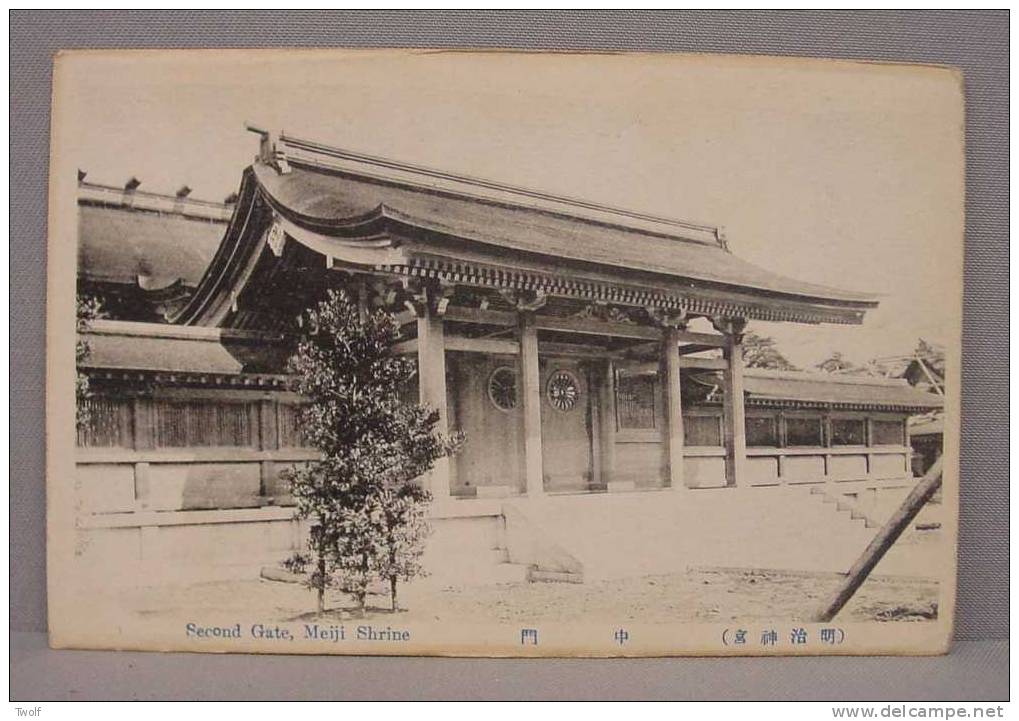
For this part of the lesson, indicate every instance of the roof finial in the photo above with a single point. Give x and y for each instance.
(722, 238)
(183, 192)
(273, 149)
(132, 184)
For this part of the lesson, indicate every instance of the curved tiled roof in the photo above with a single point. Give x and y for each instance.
(151, 347)
(928, 427)
(146, 239)
(329, 200)
(381, 215)
(829, 389)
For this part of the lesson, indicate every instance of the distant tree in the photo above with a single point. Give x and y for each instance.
(366, 510)
(933, 356)
(835, 363)
(88, 310)
(762, 352)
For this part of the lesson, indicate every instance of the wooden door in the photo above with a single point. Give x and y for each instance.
(492, 456)
(565, 425)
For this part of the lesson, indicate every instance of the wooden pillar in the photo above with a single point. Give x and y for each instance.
(868, 440)
(143, 437)
(608, 424)
(143, 419)
(268, 440)
(142, 486)
(780, 437)
(594, 420)
(829, 478)
(673, 407)
(432, 391)
(735, 415)
(361, 289)
(530, 396)
(268, 430)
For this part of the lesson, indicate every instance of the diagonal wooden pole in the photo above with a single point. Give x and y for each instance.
(884, 539)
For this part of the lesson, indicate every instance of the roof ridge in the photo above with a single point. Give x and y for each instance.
(138, 329)
(110, 195)
(279, 149)
(834, 378)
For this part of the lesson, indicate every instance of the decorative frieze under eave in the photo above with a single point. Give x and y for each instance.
(557, 285)
(792, 404)
(826, 405)
(246, 381)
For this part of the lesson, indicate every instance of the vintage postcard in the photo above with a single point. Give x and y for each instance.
(503, 354)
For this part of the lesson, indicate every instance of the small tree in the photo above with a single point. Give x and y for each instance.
(88, 310)
(404, 530)
(762, 352)
(365, 507)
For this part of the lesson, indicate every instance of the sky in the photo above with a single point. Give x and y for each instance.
(844, 174)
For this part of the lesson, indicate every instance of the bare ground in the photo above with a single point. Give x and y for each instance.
(698, 595)
(901, 590)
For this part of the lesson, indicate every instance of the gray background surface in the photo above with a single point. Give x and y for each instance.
(975, 41)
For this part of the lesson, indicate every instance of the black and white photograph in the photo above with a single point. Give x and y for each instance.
(503, 354)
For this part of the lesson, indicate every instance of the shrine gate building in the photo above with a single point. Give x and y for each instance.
(584, 351)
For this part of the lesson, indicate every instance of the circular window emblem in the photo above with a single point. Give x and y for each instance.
(502, 388)
(562, 390)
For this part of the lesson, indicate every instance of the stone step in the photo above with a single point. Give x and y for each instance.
(536, 575)
(647, 533)
(470, 552)
(509, 573)
(844, 505)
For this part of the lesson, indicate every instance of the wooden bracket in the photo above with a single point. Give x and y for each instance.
(414, 296)
(384, 293)
(600, 310)
(524, 300)
(422, 297)
(730, 327)
(678, 319)
(441, 296)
